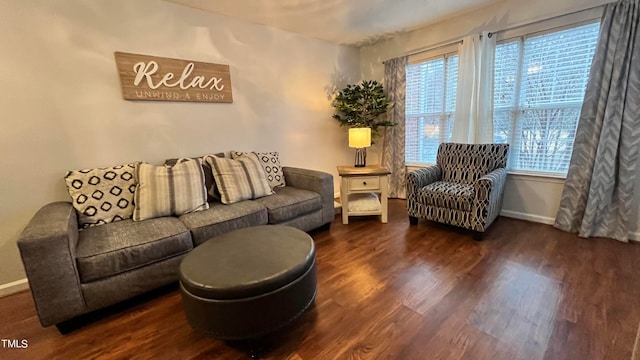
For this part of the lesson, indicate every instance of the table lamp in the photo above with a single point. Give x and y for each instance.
(360, 139)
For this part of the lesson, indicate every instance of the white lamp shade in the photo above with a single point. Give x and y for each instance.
(359, 137)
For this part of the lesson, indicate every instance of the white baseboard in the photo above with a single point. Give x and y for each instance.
(633, 236)
(529, 217)
(13, 287)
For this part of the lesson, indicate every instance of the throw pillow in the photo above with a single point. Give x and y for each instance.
(103, 195)
(169, 190)
(364, 202)
(270, 164)
(240, 179)
(209, 181)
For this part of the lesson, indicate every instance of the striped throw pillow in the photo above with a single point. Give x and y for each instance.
(270, 164)
(240, 179)
(169, 190)
(209, 182)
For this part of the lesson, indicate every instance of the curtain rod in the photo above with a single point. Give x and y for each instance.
(428, 48)
(459, 41)
(546, 19)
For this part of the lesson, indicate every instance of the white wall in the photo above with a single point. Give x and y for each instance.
(61, 106)
(527, 197)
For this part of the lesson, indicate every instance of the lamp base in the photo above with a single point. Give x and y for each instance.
(361, 157)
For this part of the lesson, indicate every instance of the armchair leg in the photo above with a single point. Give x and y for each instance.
(477, 235)
(413, 220)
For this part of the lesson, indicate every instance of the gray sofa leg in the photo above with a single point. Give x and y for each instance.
(413, 220)
(477, 235)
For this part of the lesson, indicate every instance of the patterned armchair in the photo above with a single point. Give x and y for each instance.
(465, 187)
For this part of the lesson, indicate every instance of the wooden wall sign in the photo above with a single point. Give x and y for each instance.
(163, 79)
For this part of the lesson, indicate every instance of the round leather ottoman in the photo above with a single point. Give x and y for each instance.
(249, 282)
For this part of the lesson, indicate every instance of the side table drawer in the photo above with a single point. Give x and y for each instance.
(364, 183)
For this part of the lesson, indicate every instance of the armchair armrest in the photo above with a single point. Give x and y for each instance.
(416, 180)
(487, 201)
(419, 178)
(313, 180)
(47, 247)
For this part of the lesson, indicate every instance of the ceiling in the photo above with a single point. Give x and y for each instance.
(352, 22)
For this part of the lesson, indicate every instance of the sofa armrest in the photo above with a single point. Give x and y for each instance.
(47, 247)
(487, 202)
(313, 180)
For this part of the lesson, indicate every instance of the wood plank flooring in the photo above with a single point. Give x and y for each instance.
(394, 291)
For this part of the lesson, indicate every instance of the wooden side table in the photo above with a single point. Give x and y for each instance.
(368, 179)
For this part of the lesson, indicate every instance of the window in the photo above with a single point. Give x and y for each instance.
(430, 105)
(539, 86)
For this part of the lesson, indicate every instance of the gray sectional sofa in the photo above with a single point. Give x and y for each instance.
(73, 272)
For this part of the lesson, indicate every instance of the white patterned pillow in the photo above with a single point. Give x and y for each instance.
(103, 195)
(240, 179)
(169, 190)
(270, 164)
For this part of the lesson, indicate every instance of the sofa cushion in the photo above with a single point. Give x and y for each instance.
(221, 218)
(115, 248)
(270, 164)
(103, 195)
(169, 190)
(240, 179)
(289, 202)
(450, 195)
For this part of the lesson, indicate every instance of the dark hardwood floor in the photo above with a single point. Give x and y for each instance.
(528, 291)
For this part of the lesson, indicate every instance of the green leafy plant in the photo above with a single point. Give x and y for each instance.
(363, 106)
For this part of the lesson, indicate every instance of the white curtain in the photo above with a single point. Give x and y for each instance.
(473, 122)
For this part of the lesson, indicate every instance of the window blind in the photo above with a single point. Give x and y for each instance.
(539, 86)
(430, 105)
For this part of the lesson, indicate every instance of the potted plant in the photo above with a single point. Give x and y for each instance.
(361, 106)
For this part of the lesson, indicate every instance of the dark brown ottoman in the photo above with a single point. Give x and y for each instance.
(249, 282)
